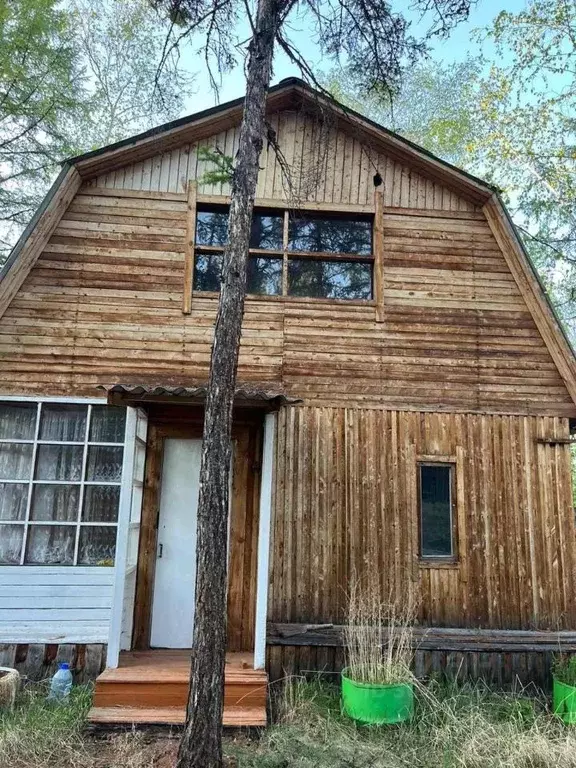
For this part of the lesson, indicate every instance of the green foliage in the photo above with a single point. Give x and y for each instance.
(527, 108)
(564, 669)
(223, 166)
(41, 90)
(38, 734)
(432, 108)
(75, 77)
(121, 44)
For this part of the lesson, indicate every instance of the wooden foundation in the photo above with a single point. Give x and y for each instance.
(151, 687)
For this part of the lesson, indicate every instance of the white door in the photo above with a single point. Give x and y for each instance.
(175, 578)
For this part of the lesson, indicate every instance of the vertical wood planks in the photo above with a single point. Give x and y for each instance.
(346, 505)
(379, 253)
(189, 247)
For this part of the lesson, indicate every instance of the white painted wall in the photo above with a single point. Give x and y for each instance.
(55, 604)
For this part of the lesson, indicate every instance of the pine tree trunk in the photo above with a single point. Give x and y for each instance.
(201, 744)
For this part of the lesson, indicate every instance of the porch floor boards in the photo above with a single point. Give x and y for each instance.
(151, 687)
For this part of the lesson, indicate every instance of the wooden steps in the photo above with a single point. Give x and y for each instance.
(233, 716)
(151, 687)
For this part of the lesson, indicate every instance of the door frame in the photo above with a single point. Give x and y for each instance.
(159, 429)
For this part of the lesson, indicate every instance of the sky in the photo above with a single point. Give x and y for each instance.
(454, 48)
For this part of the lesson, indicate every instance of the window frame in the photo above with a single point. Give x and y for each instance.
(286, 253)
(82, 483)
(452, 559)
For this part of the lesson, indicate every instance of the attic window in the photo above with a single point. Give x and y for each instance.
(315, 256)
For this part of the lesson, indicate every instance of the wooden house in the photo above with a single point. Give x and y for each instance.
(404, 406)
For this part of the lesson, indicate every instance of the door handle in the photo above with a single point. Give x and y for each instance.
(160, 550)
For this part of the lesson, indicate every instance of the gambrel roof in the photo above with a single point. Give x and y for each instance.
(294, 94)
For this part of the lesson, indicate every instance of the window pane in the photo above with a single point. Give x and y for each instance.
(211, 227)
(18, 421)
(15, 461)
(436, 515)
(50, 545)
(101, 503)
(264, 276)
(330, 235)
(13, 500)
(207, 267)
(11, 544)
(59, 462)
(55, 502)
(107, 424)
(104, 464)
(267, 232)
(329, 279)
(97, 545)
(63, 422)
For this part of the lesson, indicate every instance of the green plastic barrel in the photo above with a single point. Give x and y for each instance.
(564, 701)
(377, 704)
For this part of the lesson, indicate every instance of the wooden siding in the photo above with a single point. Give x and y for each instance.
(103, 304)
(346, 503)
(500, 669)
(50, 604)
(329, 165)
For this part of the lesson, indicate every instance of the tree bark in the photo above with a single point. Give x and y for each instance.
(201, 744)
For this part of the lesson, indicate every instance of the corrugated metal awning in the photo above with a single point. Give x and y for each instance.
(245, 395)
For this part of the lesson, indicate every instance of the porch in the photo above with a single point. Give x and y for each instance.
(151, 688)
(152, 625)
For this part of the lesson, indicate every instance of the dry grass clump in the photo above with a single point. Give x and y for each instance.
(378, 636)
(455, 726)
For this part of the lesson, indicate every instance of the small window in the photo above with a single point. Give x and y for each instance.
(436, 512)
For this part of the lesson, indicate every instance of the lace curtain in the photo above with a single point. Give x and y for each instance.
(72, 486)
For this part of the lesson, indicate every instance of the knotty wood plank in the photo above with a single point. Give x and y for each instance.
(189, 247)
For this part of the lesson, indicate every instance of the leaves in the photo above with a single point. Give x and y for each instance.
(74, 78)
(41, 86)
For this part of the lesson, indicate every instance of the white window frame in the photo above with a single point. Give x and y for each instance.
(82, 483)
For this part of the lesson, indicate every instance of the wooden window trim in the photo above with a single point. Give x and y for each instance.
(292, 299)
(439, 561)
(285, 254)
(310, 207)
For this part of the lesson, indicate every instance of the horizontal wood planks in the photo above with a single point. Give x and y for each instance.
(103, 304)
(55, 604)
(345, 503)
(153, 687)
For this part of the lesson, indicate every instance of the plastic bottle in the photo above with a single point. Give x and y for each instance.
(61, 683)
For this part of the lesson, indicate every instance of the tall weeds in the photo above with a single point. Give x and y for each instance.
(378, 636)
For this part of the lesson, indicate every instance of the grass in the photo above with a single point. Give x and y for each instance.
(38, 734)
(465, 726)
(456, 726)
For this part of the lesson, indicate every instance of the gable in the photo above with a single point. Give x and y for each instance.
(103, 302)
(329, 165)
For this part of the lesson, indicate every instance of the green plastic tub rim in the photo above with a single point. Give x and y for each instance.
(564, 701)
(377, 703)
